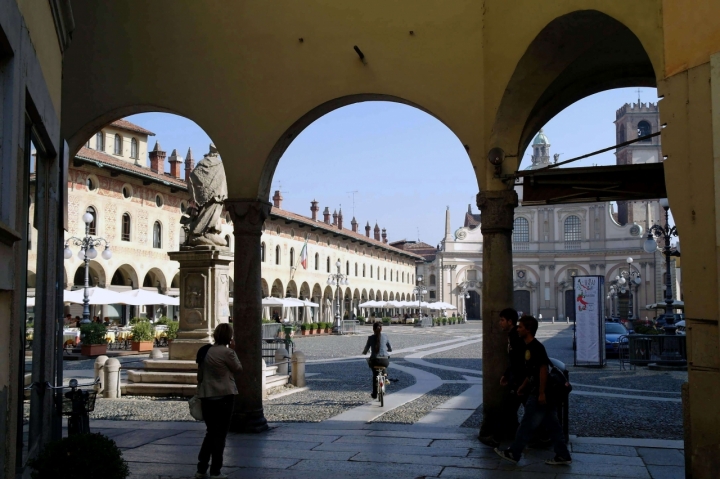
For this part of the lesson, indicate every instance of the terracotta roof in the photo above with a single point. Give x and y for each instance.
(334, 229)
(426, 251)
(471, 220)
(94, 156)
(126, 125)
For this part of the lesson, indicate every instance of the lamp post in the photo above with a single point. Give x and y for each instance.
(624, 282)
(87, 253)
(666, 233)
(338, 279)
(419, 290)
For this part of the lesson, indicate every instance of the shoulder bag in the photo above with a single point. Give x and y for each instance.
(195, 404)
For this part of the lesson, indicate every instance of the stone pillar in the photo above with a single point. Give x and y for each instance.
(248, 217)
(204, 280)
(497, 209)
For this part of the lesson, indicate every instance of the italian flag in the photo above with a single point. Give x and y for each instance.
(304, 256)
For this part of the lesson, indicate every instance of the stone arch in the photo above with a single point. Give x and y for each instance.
(292, 290)
(175, 283)
(560, 273)
(392, 296)
(385, 296)
(277, 290)
(155, 278)
(265, 288)
(371, 295)
(364, 295)
(305, 290)
(125, 275)
(574, 56)
(97, 276)
(317, 294)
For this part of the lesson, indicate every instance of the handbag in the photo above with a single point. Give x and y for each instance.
(558, 386)
(195, 405)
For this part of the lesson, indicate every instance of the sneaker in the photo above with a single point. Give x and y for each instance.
(373, 395)
(489, 441)
(507, 455)
(201, 475)
(559, 461)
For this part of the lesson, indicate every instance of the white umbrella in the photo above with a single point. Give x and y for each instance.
(95, 296)
(292, 302)
(140, 297)
(270, 301)
(371, 304)
(310, 304)
(675, 305)
(31, 302)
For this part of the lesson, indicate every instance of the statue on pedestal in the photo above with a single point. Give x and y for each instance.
(208, 190)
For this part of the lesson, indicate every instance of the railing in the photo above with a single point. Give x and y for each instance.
(270, 330)
(521, 246)
(349, 326)
(571, 244)
(648, 348)
(269, 346)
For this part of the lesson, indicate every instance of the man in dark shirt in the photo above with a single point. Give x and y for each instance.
(537, 411)
(515, 373)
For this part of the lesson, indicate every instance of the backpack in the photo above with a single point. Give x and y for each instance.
(558, 386)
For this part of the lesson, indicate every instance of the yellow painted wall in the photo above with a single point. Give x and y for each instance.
(691, 33)
(41, 28)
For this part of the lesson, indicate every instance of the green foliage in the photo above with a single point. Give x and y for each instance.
(323, 325)
(313, 326)
(143, 331)
(80, 457)
(93, 333)
(137, 319)
(163, 321)
(267, 321)
(172, 330)
(361, 320)
(444, 321)
(304, 327)
(386, 321)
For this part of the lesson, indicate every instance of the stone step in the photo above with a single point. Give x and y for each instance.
(276, 380)
(162, 377)
(169, 365)
(155, 389)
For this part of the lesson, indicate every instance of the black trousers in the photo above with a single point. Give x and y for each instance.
(377, 362)
(217, 414)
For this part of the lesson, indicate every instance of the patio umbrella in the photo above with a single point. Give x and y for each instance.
(96, 296)
(270, 301)
(675, 305)
(141, 297)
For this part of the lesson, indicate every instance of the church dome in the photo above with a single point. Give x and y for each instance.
(541, 139)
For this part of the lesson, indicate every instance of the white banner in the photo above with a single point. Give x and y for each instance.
(589, 321)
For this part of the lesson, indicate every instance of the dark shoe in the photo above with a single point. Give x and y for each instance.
(507, 455)
(489, 441)
(201, 475)
(559, 461)
(373, 395)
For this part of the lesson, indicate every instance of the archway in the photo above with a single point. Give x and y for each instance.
(291, 291)
(125, 276)
(155, 278)
(265, 289)
(277, 289)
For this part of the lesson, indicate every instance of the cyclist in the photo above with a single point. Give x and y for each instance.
(379, 347)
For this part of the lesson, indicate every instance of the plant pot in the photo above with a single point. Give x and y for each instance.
(328, 330)
(320, 331)
(142, 346)
(93, 349)
(305, 332)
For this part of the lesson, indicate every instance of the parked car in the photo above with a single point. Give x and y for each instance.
(662, 320)
(615, 338)
(680, 327)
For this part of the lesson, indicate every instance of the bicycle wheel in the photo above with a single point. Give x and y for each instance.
(381, 390)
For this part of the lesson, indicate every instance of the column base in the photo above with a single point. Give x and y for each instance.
(186, 349)
(249, 422)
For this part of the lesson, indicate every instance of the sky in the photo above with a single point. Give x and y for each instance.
(404, 165)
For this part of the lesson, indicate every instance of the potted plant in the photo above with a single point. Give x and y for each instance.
(444, 321)
(93, 339)
(361, 320)
(386, 321)
(320, 329)
(305, 329)
(172, 330)
(82, 455)
(328, 327)
(142, 336)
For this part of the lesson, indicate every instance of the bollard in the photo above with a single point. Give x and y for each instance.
(281, 357)
(263, 383)
(156, 354)
(567, 319)
(553, 320)
(298, 370)
(99, 364)
(112, 379)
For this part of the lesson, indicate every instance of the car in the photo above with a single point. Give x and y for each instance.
(680, 327)
(662, 320)
(615, 338)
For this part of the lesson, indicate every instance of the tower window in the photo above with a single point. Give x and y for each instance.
(92, 227)
(644, 129)
(133, 148)
(157, 235)
(117, 150)
(277, 254)
(573, 232)
(125, 227)
(262, 252)
(100, 141)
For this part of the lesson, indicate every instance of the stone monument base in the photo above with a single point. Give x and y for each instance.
(186, 349)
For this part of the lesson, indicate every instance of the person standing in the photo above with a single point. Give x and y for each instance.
(537, 410)
(217, 366)
(515, 373)
(379, 347)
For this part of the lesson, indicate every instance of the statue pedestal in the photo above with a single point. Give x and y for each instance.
(204, 287)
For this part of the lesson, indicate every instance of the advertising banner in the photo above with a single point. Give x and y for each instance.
(589, 321)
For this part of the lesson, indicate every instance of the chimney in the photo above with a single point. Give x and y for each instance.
(335, 217)
(367, 229)
(384, 236)
(376, 232)
(157, 159)
(277, 200)
(354, 225)
(314, 209)
(326, 215)
(175, 162)
(340, 220)
(189, 165)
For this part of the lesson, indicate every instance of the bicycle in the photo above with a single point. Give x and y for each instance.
(76, 404)
(382, 380)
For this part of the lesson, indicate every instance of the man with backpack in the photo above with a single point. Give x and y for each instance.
(537, 410)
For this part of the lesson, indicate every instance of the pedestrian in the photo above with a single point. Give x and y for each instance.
(513, 376)
(276, 317)
(217, 366)
(537, 410)
(379, 347)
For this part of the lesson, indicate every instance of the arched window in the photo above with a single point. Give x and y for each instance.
(292, 257)
(521, 234)
(133, 148)
(126, 227)
(385, 274)
(100, 141)
(92, 227)
(277, 254)
(363, 271)
(356, 269)
(157, 235)
(262, 252)
(117, 149)
(90, 183)
(347, 268)
(371, 271)
(227, 240)
(573, 232)
(432, 280)
(644, 129)
(328, 264)
(317, 262)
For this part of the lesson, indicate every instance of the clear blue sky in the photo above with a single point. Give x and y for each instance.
(405, 165)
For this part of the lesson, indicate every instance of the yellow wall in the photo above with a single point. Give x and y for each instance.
(41, 28)
(689, 38)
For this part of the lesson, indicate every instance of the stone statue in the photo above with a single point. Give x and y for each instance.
(208, 190)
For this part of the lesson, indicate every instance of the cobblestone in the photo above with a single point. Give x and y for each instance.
(413, 411)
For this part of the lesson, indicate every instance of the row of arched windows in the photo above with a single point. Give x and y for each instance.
(572, 229)
(117, 144)
(126, 228)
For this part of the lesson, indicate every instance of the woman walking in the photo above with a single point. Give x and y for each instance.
(217, 366)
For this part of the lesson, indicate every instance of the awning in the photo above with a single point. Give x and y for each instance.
(95, 296)
(140, 297)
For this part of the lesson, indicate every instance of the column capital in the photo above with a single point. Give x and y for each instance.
(248, 215)
(497, 209)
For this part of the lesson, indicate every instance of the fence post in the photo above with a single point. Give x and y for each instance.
(298, 369)
(553, 320)
(112, 379)
(99, 364)
(281, 357)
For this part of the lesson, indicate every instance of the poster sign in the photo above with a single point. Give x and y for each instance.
(589, 321)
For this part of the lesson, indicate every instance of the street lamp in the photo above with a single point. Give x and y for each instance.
(338, 280)
(666, 233)
(87, 253)
(624, 281)
(420, 290)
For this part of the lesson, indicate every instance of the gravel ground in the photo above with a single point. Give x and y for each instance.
(134, 408)
(441, 373)
(640, 378)
(413, 411)
(467, 357)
